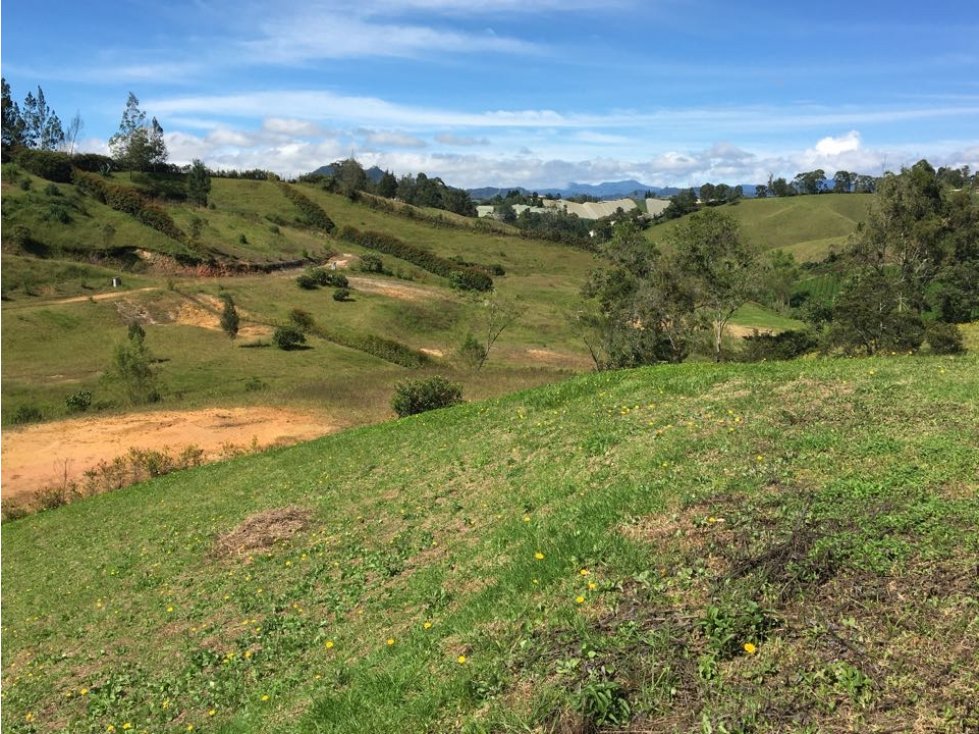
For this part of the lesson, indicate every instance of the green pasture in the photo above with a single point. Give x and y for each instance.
(689, 548)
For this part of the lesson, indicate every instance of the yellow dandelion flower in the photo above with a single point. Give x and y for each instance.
(427, 625)
(127, 726)
(579, 600)
(248, 654)
(265, 697)
(169, 609)
(390, 641)
(110, 728)
(526, 518)
(535, 581)
(592, 586)
(190, 727)
(212, 712)
(539, 556)
(583, 572)
(29, 716)
(328, 644)
(461, 660)
(759, 458)
(750, 648)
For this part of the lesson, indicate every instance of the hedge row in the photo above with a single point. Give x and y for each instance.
(461, 276)
(310, 209)
(377, 346)
(47, 164)
(130, 201)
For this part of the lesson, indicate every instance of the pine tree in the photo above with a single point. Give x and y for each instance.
(229, 316)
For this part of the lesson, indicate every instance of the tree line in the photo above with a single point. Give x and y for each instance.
(909, 274)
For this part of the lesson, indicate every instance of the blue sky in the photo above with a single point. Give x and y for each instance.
(518, 92)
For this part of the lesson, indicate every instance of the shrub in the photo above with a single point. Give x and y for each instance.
(461, 276)
(472, 353)
(786, 345)
(92, 162)
(78, 402)
(418, 396)
(52, 190)
(341, 294)
(307, 282)
(312, 211)
(371, 264)
(944, 338)
(27, 414)
(288, 337)
(47, 164)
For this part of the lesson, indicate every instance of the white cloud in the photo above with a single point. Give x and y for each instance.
(291, 127)
(831, 146)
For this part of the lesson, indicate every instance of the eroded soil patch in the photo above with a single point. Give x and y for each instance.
(39, 456)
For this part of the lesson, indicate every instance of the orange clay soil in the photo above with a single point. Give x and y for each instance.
(40, 456)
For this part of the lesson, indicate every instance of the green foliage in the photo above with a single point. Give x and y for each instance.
(229, 316)
(78, 402)
(288, 337)
(138, 145)
(312, 211)
(132, 365)
(341, 294)
(198, 183)
(867, 317)
(371, 264)
(130, 201)
(27, 414)
(47, 164)
(461, 276)
(789, 344)
(472, 352)
(418, 396)
(307, 282)
(944, 338)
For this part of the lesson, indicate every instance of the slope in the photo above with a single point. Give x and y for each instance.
(689, 548)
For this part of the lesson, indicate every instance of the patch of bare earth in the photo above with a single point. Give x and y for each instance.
(48, 454)
(203, 311)
(401, 291)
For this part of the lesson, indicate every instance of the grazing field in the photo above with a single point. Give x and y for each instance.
(809, 227)
(773, 548)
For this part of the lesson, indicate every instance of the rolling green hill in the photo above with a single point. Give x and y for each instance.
(806, 226)
(57, 283)
(770, 548)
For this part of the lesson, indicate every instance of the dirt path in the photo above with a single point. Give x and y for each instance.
(106, 296)
(35, 457)
(401, 291)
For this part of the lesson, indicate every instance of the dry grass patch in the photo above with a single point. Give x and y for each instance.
(263, 530)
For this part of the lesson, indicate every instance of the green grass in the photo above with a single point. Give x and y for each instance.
(823, 511)
(807, 226)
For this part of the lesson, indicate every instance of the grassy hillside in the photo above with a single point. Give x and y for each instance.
(806, 226)
(59, 287)
(770, 548)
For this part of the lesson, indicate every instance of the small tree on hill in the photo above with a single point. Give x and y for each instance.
(229, 316)
(138, 146)
(198, 183)
(132, 364)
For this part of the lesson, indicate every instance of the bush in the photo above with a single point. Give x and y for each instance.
(78, 402)
(371, 264)
(312, 211)
(787, 345)
(341, 294)
(47, 164)
(27, 414)
(288, 337)
(418, 396)
(472, 353)
(461, 276)
(307, 282)
(944, 338)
